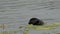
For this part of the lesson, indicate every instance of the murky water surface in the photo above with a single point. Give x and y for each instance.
(15, 13)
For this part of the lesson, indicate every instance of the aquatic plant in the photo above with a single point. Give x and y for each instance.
(26, 32)
(5, 32)
(2, 26)
(45, 33)
(28, 27)
(45, 27)
(57, 32)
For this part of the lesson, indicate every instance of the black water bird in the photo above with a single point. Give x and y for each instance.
(36, 21)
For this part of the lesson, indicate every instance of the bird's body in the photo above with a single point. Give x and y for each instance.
(36, 21)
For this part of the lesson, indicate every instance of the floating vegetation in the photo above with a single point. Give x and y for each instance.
(57, 32)
(45, 33)
(25, 31)
(40, 27)
(10, 32)
(34, 27)
(44, 27)
(5, 32)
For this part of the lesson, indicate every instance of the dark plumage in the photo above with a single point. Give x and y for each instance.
(36, 21)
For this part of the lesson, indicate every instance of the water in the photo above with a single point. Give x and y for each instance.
(18, 12)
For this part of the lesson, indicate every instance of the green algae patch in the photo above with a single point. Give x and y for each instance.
(45, 33)
(5, 33)
(44, 27)
(57, 32)
(26, 32)
(40, 27)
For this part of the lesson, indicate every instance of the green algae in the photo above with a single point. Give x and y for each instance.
(45, 33)
(44, 27)
(5, 32)
(57, 32)
(28, 27)
(26, 32)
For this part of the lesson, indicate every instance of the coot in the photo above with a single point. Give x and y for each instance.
(36, 21)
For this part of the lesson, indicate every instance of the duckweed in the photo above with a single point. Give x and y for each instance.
(46, 33)
(44, 27)
(57, 32)
(26, 32)
(5, 32)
